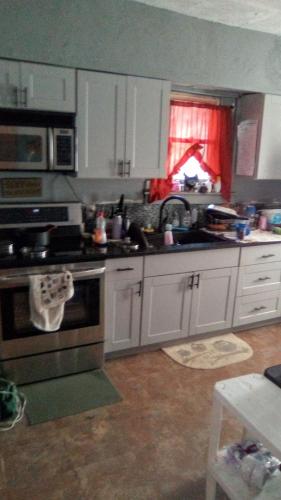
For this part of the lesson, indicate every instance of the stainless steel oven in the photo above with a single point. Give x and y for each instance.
(28, 354)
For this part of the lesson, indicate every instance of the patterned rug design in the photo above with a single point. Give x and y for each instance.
(210, 353)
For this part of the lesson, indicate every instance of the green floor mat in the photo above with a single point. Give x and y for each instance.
(69, 395)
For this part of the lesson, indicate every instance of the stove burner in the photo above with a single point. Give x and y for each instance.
(34, 252)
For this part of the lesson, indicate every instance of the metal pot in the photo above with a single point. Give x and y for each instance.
(38, 236)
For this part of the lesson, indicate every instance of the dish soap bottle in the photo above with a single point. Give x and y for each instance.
(168, 235)
(100, 233)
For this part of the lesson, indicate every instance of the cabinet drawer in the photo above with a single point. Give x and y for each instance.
(259, 278)
(126, 268)
(260, 254)
(257, 307)
(159, 265)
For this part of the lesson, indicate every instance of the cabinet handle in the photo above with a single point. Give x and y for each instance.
(197, 281)
(263, 279)
(265, 256)
(16, 94)
(121, 168)
(125, 269)
(128, 171)
(258, 309)
(24, 96)
(139, 292)
(190, 281)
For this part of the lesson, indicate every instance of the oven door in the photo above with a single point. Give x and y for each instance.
(82, 324)
(23, 148)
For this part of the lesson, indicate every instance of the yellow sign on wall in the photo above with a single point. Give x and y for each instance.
(21, 187)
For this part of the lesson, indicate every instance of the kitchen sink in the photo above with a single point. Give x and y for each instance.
(182, 238)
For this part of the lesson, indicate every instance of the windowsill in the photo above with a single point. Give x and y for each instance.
(199, 197)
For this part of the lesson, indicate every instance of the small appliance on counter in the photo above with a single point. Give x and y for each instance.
(220, 218)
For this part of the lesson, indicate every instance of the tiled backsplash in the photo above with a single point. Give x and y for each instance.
(149, 214)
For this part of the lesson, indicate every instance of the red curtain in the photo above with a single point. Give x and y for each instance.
(203, 131)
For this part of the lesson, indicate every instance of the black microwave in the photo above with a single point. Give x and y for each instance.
(41, 144)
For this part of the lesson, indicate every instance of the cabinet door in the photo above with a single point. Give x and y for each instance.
(47, 87)
(166, 308)
(9, 84)
(213, 300)
(269, 159)
(101, 108)
(122, 314)
(147, 127)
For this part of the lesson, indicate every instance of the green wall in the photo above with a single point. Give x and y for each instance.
(132, 38)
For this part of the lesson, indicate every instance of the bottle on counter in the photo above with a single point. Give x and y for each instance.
(217, 185)
(99, 236)
(186, 221)
(250, 212)
(109, 223)
(125, 224)
(168, 235)
(263, 222)
(117, 227)
(176, 219)
(194, 217)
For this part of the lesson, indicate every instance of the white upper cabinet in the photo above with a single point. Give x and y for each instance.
(9, 84)
(48, 87)
(146, 127)
(101, 124)
(36, 86)
(122, 126)
(266, 111)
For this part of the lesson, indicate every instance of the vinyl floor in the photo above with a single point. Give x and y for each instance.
(152, 445)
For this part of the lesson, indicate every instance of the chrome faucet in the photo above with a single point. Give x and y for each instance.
(173, 197)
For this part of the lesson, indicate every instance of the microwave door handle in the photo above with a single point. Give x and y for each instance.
(51, 148)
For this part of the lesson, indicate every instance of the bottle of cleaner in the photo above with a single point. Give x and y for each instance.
(168, 235)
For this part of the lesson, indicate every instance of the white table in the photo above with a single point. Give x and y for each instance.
(256, 403)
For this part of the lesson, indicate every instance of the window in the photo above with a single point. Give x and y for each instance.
(192, 168)
(200, 146)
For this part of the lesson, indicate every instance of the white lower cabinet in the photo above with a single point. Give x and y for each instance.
(162, 298)
(166, 308)
(213, 300)
(123, 297)
(256, 307)
(123, 315)
(259, 285)
(175, 306)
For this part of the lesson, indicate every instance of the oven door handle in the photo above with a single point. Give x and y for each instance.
(23, 279)
(87, 273)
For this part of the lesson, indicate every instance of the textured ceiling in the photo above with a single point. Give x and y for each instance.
(257, 15)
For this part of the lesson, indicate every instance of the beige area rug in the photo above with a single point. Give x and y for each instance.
(210, 353)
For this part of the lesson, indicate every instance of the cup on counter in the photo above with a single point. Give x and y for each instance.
(241, 230)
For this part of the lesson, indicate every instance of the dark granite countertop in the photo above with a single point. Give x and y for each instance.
(111, 251)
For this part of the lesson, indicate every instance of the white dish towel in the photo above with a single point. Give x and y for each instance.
(47, 296)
